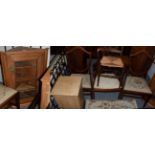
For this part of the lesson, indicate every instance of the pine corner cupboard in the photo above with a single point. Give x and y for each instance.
(22, 69)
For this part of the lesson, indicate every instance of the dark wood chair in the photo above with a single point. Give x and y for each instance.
(110, 69)
(79, 62)
(151, 102)
(141, 58)
(136, 84)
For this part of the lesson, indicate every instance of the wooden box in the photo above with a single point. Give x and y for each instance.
(67, 92)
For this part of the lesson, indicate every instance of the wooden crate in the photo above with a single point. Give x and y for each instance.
(67, 92)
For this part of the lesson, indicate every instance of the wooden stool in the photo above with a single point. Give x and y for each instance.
(67, 92)
(6, 96)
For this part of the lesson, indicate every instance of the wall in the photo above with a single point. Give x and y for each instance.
(2, 49)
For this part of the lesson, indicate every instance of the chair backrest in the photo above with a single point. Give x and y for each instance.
(109, 51)
(140, 61)
(57, 68)
(78, 59)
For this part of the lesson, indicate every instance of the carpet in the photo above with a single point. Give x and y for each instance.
(113, 104)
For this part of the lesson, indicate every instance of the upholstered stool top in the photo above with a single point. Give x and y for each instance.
(137, 84)
(116, 104)
(6, 93)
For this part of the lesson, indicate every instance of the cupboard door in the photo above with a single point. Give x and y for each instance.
(23, 69)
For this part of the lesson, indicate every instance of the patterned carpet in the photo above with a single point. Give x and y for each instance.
(114, 96)
(113, 104)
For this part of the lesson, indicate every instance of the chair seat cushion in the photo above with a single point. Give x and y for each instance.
(115, 104)
(111, 61)
(137, 84)
(107, 82)
(6, 93)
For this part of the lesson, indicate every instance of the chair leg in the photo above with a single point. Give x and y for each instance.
(146, 100)
(17, 101)
(98, 75)
(120, 96)
(92, 95)
(98, 80)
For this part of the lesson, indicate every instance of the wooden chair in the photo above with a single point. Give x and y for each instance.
(136, 84)
(79, 62)
(8, 97)
(141, 59)
(115, 50)
(151, 102)
(57, 67)
(110, 69)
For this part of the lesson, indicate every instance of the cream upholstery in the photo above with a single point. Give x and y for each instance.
(6, 93)
(105, 104)
(105, 82)
(137, 84)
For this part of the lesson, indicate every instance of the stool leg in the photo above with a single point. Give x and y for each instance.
(17, 101)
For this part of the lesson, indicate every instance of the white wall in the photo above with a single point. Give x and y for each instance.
(2, 49)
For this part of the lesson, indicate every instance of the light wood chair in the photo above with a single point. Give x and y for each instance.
(8, 97)
(57, 67)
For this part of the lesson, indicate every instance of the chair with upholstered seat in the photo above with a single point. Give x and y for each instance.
(137, 87)
(110, 69)
(8, 97)
(79, 63)
(136, 84)
(151, 83)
